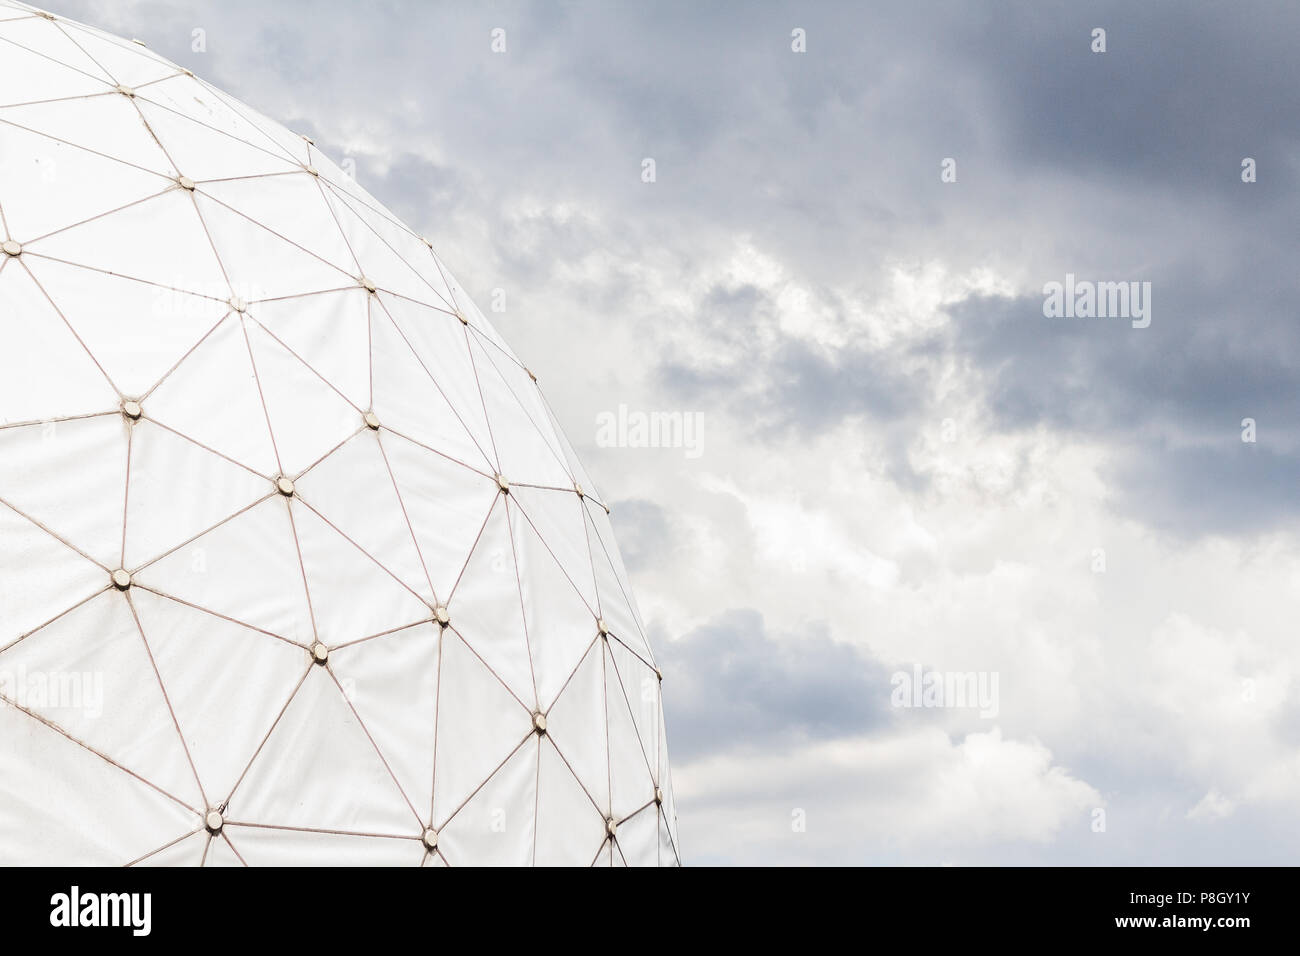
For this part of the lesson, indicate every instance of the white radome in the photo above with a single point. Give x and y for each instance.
(296, 566)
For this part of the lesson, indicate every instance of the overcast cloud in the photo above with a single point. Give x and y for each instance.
(903, 462)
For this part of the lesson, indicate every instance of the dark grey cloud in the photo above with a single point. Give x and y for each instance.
(1229, 489)
(1169, 399)
(736, 686)
(1181, 95)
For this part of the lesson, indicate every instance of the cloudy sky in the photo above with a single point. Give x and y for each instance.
(901, 463)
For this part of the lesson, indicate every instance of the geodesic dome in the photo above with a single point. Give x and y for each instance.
(296, 565)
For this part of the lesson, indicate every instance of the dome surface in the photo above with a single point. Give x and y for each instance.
(296, 565)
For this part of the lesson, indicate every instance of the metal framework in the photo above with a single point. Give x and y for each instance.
(296, 565)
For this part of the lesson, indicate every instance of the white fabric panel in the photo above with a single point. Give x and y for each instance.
(330, 333)
(45, 373)
(576, 469)
(213, 398)
(570, 827)
(220, 852)
(43, 577)
(178, 491)
(559, 623)
(256, 129)
(578, 727)
(226, 684)
(319, 738)
(631, 780)
(412, 403)
(497, 826)
(446, 504)
(33, 35)
(308, 418)
(382, 263)
(196, 103)
(351, 595)
(441, 346)
(27, 77)
(643, 693)
(466, 307)
(479, 726)
(246, 569)
(126, 63)
(413, 255)
(612, 585)
(526, 454)
(198, 150)
(558, 521)
(187, 851)
(91, 674)
(358, 471)
(42, 475)
(392, 681)
(487, 611)
(108, 818)
(107, 125)
(263, 846)
(158, 238)
(136, 331)
(638, 837)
